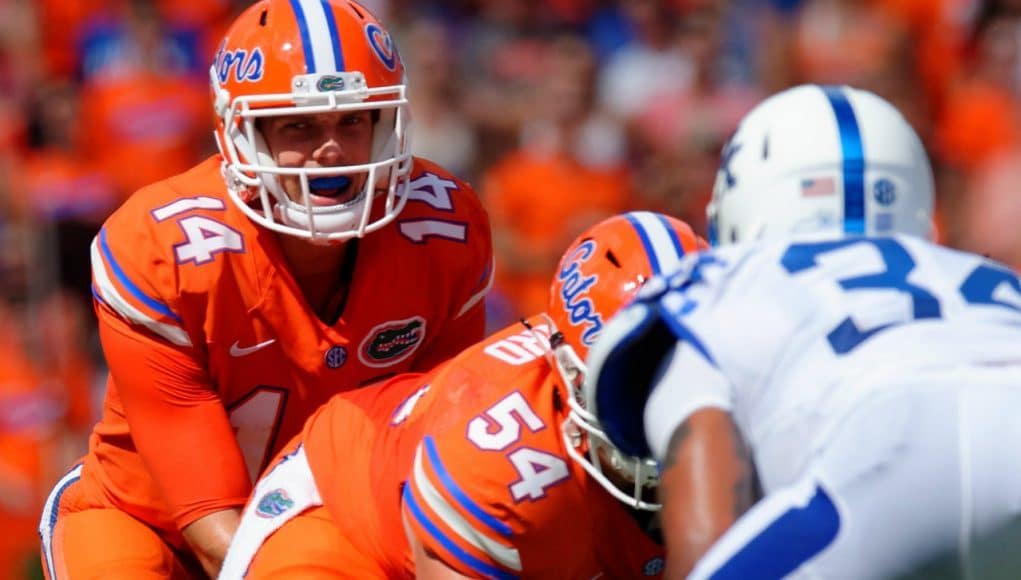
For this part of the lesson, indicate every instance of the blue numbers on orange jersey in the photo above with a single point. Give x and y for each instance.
(898, 265)
(988, 284)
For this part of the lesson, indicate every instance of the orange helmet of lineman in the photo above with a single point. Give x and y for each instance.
(599, 274)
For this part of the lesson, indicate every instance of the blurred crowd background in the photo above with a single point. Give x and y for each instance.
(559, 112)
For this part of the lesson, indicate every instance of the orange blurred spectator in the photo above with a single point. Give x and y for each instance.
(69, 17)
(144, 127)
(144, 100)
(52, 181)
(938, 29)
(988, 222)
(45, 393)
(53, 185)
(982, 117)
(568, 174)
(980, 121)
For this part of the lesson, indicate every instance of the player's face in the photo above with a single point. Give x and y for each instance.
(333, 139)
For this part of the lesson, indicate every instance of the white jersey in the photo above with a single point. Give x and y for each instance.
(789, 337)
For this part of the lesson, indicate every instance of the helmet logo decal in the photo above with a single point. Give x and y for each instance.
(729, 150)
(885, 192)
(274, 503)
(330, 83)
(245, 66)
(580, 309)
(382, 45)
(818, 186)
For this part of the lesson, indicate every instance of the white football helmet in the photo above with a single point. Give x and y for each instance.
(284, 57)
(824, 161)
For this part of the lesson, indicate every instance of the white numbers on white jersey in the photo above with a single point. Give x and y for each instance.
(187, 204)
(206, 237)
(256, 419)
(433, 191)
(507, 415)
(538, 470)
(521, 348)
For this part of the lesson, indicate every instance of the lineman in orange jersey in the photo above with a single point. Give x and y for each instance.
(487, 456)
(312, 256)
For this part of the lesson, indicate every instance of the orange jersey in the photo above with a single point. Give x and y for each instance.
(474, 453)
(196, 311)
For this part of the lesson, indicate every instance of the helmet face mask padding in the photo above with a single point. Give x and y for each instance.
(601, 271)
(265, 68)
(821, 161)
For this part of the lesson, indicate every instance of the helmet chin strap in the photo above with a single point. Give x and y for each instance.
(297, 216)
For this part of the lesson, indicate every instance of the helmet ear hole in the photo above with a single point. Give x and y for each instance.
(612, 258)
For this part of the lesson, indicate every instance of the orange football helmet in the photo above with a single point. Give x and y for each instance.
(599, 274)
(286, 57)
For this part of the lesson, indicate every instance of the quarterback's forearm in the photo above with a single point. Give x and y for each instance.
(209, 538)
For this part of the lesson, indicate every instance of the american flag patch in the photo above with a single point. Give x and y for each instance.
(818, 186)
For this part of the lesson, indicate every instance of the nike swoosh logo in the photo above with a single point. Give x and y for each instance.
(236, 350)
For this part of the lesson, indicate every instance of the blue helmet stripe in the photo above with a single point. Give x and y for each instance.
(331, 23)
(662, 247)
(674, 238)
(306, 38)
(854, 160)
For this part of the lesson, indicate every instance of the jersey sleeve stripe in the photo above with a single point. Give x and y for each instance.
(107, 294)
(487, 277)
(135, 291)
(462, 498)
(467, 559)
(672, 303)
(48, 520)
(504, 555)
(660, 241)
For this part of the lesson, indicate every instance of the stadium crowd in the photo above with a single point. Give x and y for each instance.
(559, 112)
